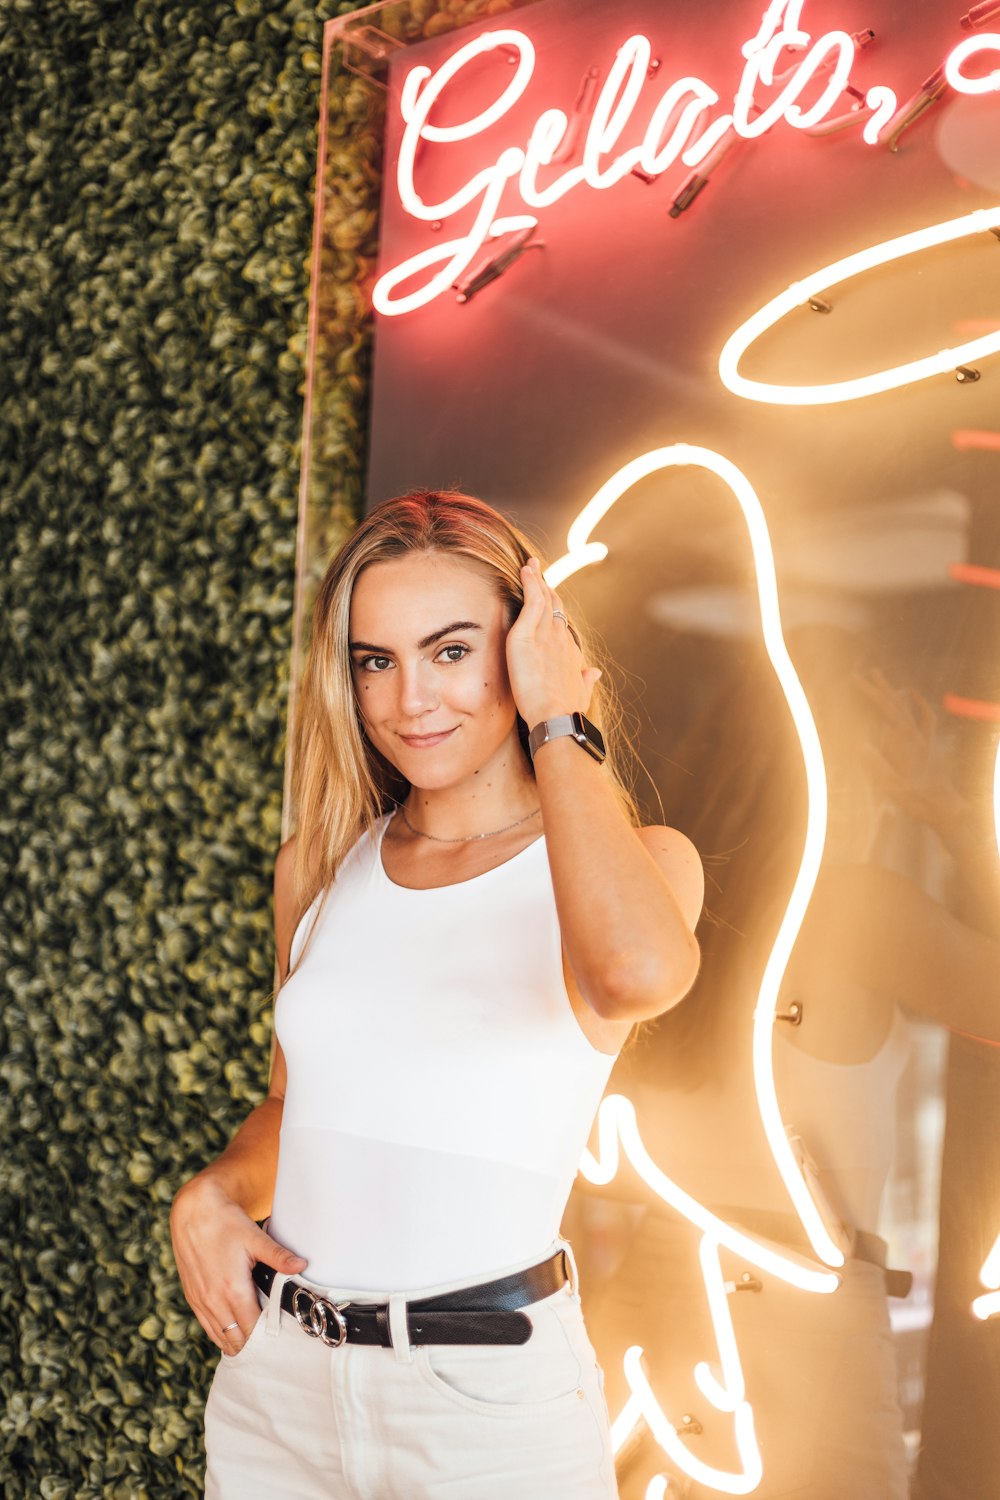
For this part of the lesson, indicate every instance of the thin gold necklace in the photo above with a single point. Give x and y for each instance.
(467, 839)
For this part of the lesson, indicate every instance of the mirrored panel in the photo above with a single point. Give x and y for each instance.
(707, 301)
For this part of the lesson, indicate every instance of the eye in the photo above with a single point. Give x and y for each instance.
(366, 663)
(464, 650)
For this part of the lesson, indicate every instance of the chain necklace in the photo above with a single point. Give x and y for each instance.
(468, 838)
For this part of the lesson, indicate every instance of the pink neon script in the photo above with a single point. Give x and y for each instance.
(674, 131)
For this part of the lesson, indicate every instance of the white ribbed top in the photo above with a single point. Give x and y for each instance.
(440, 1090)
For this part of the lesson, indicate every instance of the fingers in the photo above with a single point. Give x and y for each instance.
(231, 1339)
(542, 599)
(279, 1256)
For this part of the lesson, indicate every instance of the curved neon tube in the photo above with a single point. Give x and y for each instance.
(986, 1306)
(581, 552)
(728, 1394)
(961, 82)
(422, 88)
(616, 1122)
(835, 275)
(676, 1449)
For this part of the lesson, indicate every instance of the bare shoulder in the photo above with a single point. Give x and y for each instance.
(284, 903)
(680, 862)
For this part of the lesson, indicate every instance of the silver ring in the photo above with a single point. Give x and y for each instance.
(230, 1325)
(557, 614)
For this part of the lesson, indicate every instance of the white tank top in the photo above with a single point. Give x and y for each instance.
(440, 1089)
(846, 1116)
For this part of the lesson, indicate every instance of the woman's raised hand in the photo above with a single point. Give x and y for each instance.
(216, 1245)
(544, 662)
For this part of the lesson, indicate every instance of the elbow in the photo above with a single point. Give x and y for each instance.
(637, 991)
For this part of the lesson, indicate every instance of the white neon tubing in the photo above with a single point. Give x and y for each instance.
(987, 1306)
(706, 143)
(784, 105)
(990, 83)
(456, 255)
(655, 154)
(882, 102)
(422, 88)
(725, 1397)
(781, 17)
(616, 1122)
(678, 1451)
(837, 274)
(612, 111)
(990, 1274)
(729, 1393)
(580, 547)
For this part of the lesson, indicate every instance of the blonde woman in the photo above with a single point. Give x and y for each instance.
(468, 923)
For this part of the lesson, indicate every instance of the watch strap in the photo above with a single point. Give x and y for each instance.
(576, 725)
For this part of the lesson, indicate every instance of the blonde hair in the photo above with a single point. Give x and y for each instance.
(340, 783)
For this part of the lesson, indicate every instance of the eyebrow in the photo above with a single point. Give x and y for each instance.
(428, 640)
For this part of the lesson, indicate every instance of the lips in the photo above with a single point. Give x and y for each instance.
(425, 741)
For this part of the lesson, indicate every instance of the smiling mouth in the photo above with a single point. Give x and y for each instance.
(425, 741)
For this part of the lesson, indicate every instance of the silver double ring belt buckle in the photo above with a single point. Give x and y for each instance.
(320, 1316)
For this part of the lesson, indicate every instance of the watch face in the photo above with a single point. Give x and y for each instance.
(589, 736)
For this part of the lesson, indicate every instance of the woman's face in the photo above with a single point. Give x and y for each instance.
(428, 658)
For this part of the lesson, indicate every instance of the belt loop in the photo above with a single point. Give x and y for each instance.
(574, 1275)
(399, 1329)
(274, 1308)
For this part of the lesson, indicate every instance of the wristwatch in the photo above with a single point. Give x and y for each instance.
(586, 734)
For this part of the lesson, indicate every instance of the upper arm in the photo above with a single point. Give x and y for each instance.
(679, 861)
(284, 929)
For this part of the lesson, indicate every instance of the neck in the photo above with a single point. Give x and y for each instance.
(487, 801)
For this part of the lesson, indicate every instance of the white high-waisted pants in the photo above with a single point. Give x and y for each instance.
(289, 1418)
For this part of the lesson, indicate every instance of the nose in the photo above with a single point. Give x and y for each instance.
(417, 691)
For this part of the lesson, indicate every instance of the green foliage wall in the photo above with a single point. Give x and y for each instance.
(156, 181)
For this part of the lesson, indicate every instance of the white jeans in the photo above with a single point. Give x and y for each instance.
(289, 1418)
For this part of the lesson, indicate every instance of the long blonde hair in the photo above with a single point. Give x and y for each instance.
(340, 783)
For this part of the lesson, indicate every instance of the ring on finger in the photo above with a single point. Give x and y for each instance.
(557, 614)
(228, 1326)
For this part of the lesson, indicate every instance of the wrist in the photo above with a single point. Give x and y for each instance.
(205, 1185)
(541, 713)
(574, 726)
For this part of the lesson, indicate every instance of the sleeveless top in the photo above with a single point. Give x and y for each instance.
(440, 1089)
(846, 1115)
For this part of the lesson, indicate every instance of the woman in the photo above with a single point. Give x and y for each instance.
(486, 923)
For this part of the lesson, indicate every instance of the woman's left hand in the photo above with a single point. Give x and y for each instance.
(544, 662)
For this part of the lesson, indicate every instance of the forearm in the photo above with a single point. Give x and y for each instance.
(246, 1170)
(629, 945)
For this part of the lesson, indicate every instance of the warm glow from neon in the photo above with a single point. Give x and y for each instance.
(986, 1306)
(581, 553)
(837, 274)
(728, 1396)
(666, 1434)
(617, 1124)
(961, 82)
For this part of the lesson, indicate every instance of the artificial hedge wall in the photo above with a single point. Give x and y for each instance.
(156, 183)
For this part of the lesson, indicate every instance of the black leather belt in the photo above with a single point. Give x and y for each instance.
(484, 1314)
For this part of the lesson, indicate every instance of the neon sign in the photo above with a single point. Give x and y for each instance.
(616, 1117)
(825, 1234)
(841, 271)
(674, 131)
